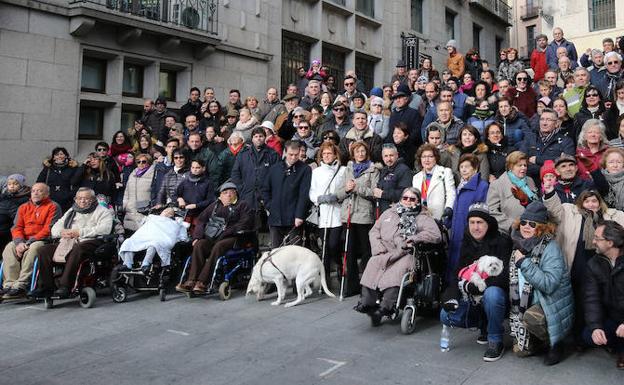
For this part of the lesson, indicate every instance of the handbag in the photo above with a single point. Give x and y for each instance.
(63, 248)
(215, 225)
(534, 321)
(428, 289)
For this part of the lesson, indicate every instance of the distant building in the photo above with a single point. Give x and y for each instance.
(73, 72)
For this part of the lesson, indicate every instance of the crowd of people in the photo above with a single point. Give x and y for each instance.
(521, 162)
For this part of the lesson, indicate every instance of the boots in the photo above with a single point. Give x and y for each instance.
(554, 355)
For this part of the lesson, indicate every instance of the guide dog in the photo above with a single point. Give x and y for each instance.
(284, 264)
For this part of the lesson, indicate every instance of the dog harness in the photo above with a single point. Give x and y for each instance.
(269, 259)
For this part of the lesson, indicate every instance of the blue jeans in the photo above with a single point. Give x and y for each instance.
(609, 326)
(494, 304)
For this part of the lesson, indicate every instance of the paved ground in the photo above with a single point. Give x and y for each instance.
(241, 341)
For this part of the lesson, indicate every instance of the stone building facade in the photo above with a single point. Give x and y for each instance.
(73, 72)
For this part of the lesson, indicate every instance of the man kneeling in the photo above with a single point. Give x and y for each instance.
(78, 230)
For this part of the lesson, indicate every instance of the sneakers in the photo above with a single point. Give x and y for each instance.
(185, 287)
(482, 339)
(494, 352)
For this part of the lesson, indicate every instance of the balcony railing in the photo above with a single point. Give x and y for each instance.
(200, 15)
(496, 7)
(529, 11)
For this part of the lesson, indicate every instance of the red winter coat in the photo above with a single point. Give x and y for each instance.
(539, 65)
(34, 221)
(596, 158)
(524, 101)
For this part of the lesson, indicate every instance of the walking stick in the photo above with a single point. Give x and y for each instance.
(344, 254)
(376, 209)
(324, 242)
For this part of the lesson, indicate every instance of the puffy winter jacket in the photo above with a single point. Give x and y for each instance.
(515, 127)
(9, 203)
(361, 198)
(393, 180)
(199, 191)
(34, 221)
(63, 181)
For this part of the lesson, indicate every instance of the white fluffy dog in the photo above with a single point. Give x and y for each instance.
(284, 264)
(478, 272)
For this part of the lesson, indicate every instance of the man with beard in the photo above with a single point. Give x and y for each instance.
(394, 177)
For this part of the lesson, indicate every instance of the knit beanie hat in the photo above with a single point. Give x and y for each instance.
(547, 168)
(19, 178)
(536, 212)
(480, 210)
(451, 43)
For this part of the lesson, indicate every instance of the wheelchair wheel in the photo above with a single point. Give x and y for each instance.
(119, 293)
(407, 324)
(162, 293)
(48, 303)
(87, 297)
(224, 291)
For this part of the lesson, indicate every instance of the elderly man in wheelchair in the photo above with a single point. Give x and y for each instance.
(78, 231)
(392, 240)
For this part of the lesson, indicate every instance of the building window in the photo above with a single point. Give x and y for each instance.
(93, 75)
(601, 14)
(132, 80)
(530, 33)
(450, 24)
(365, 71)
(167, 84)
(339, 2)
(417, 15)
(334, 60)
(128, 117)
(476, 36)
(91, 123)
(367, 7)
(295, 54)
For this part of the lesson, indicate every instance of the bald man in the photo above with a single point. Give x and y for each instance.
(33, 223)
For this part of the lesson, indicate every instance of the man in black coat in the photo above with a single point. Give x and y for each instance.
(285, 193)
(401, 112)
(394, 177)
(604, 291)
(483, 238)
(570, 185)
(251, 168)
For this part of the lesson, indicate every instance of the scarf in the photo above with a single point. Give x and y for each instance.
(359, 168)
(195, 178)
(482, 114)
(407, 220)
(613, 79)
(424, 187)
(139, 172)
(60, 165)
(592, 220)
(75, 209)
(546, 138)
(615, 196)
(520, 298)
(117, 149)
(234, 150)
(522, 185)
(469, 149)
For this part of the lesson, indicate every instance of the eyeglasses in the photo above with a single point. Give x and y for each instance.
(613, 62)
(409, 199)
(178, 157)
(141, 162)
(592, 95)
(349, 84)
(329, 137)
(530, 223)
(304, 127)
(599, 239)
(522, 79)
(101, 149)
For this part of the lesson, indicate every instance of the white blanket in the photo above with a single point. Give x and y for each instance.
(160, 232)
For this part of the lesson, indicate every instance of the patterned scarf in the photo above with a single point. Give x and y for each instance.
(359, 168)
(521, 298)
(407, 224)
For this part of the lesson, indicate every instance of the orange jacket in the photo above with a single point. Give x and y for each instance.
(34, 221)
(455, 64)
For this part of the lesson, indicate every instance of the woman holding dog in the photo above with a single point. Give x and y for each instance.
(577, 224)
(401, 226)
(326, 179)
(542, 304)
(481, 238)
(358, 210)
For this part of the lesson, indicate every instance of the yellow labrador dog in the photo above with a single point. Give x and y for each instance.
(284, 264)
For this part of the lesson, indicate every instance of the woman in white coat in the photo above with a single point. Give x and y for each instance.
(326, 179)
(435, 183)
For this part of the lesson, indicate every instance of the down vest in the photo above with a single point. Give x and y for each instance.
(552, 289)
(390, 261)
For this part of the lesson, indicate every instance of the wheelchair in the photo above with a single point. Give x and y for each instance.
(233, 269)
(158, 278)
(92, 274)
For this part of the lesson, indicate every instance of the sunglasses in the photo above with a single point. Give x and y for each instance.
(100, 149)
(304, 127)
(298, 116)
(349, 84)
(522, 79)
(178, 157)
(613, 62)
(327, 137)
(530, 223)
(409, 199)
(339, 109)
(141, 162)
(592, 95)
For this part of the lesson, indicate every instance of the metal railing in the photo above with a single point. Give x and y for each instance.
(601, 14)
(200, 15)
(496, 7)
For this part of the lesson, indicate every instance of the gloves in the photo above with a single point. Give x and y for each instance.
(472, 289)
(327, 199)
(448, 213)
(520, 195)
